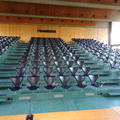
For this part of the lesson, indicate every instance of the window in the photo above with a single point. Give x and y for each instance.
(115, 35)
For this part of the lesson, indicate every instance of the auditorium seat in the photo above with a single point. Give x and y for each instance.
(6, 42)
(108, 67)
(50, 65)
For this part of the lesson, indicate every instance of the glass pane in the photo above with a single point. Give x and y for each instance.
(115, 36)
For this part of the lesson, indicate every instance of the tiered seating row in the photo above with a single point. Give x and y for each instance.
(49, 64)
(102, 51)
(107, 56)
(6, 42)
(52, 64)
(9, 61)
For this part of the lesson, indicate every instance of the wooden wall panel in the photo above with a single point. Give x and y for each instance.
(66, 33)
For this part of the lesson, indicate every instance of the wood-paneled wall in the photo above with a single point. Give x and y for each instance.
(66, 33)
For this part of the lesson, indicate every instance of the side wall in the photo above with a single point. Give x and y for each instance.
(66, 33)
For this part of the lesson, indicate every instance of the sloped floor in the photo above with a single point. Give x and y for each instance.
(44, 101)
(47, 102)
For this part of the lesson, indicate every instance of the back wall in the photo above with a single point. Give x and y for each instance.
(66, 33)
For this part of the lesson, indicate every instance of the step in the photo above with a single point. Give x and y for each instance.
(112, 93)
(110, 83)
(7, 70)
(13, 59)
(10, 63)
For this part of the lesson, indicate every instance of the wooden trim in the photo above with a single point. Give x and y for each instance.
(11, 19)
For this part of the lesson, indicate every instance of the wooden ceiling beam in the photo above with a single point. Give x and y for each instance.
(55, 10)
(60, 18)
(76, 3)
(106, 2)
(29, 20)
